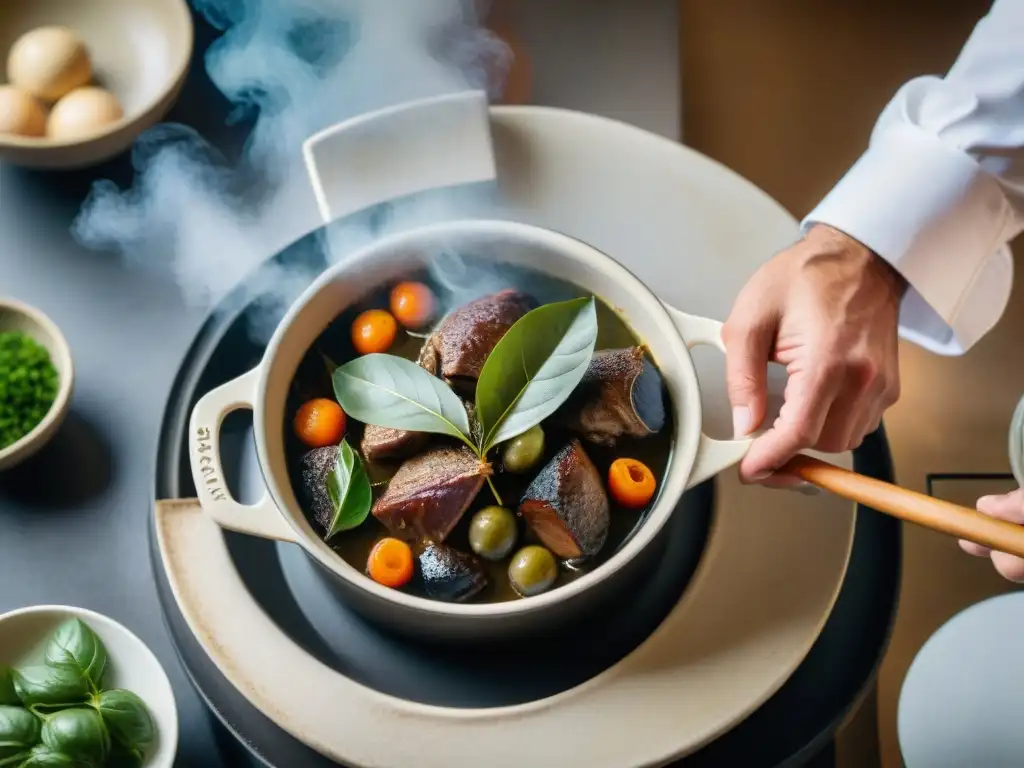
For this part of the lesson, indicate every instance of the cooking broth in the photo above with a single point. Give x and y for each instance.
(335, 347)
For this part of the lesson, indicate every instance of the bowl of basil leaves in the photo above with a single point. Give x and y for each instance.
(79, 690)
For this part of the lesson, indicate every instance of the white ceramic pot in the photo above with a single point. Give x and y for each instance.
(668, 333)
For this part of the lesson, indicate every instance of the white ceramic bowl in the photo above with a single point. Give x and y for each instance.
(140, 51)
(131, 665)
(668, 334)
(16, 316)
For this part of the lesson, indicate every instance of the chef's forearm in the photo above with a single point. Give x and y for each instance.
(940, 190)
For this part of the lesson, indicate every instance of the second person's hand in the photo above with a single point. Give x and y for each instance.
(827, 309)
(1010, 507)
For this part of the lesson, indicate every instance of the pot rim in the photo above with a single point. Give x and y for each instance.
(684, 393)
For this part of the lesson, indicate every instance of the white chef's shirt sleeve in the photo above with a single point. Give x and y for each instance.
(940, 190)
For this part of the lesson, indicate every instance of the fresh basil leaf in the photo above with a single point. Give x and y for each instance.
(125, 757)
(75, 646)
(390, 391)
(7, 693)
(44, 757)
(78, 733)
(126, 717)
(534, 368)
(50, 685)
(42, 711)
(15, 761)
(19, 731)
(348, 486)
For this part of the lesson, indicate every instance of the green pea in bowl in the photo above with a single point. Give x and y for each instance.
(77, 688)
(36, 380)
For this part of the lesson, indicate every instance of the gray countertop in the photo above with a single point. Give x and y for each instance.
(73, 521)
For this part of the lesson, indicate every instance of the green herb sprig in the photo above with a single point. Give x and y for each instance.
(530, 372)
(348, 487)
(59, 713)
(28, 385)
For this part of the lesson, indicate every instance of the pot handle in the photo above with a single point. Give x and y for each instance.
(712, 455)
(380, 156)
(262, 519)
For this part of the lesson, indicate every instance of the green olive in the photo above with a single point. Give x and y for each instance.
(523, 452)
(533, 570)
(492, 533)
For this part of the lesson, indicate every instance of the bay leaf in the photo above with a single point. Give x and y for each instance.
(534, 368)
(348, 487)
(390, 391)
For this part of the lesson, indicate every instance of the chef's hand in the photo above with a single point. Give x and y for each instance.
(827, 309)
(1007, 507)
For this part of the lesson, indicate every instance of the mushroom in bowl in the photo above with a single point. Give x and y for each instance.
(80, 81)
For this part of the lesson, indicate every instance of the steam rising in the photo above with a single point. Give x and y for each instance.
(292, 67)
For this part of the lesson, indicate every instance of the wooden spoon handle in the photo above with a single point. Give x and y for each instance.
(942, 516)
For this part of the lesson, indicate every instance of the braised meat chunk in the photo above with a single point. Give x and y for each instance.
(429, 493)
(457, 350)
(566, 505)
(385, 443)
(621, 395)
(314, 467)
(451, 575)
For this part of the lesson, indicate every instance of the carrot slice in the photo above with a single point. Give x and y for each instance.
(374, 331)
(320, 422)
(412, 304)
(630, 483)
(390, 563)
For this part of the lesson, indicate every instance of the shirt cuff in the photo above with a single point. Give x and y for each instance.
(941, 221)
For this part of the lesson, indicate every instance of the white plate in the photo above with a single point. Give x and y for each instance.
(774, 562)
